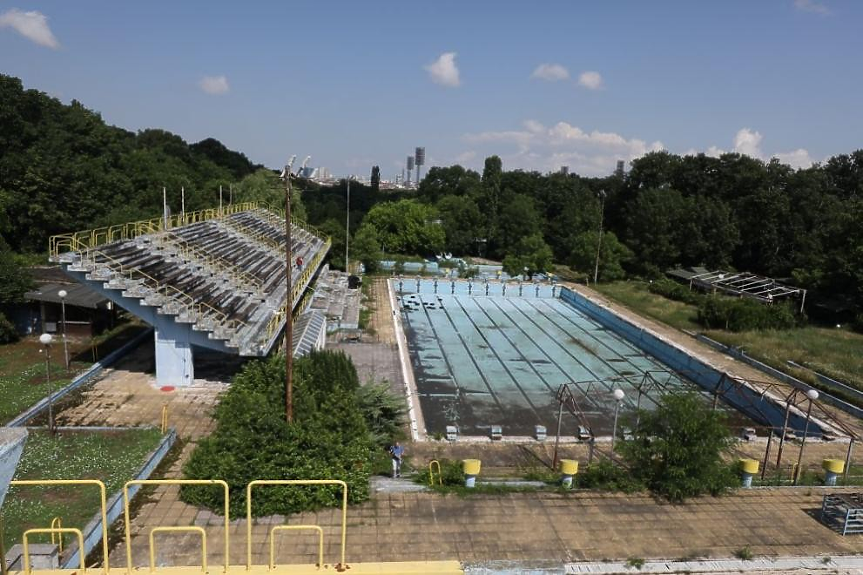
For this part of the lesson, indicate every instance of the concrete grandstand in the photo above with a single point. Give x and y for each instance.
(213, 279)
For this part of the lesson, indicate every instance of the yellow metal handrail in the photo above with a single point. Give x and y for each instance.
(189, 252)
(128, 524)
(104, 512)
(192, 528)
(317, 528)
(341, 566)
(57, 523)
(52, 531)
(435, 462)
(164, 421)
(74, 241)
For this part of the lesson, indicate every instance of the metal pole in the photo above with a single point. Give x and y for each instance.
(848, 457)
(183, 204)
(289, 306)
(230, 194)
(50, 391)
(557, 437)
(165, 206)
(803, 443)
(220, 200)
(348, 229)
(614, 433)
(784, 428)
(599, 240)
(766, 453)
(65, 347)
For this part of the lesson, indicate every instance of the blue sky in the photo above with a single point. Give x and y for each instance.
(542, 84)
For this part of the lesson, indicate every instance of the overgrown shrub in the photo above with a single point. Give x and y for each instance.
(606, 476)
(677, 450)
(328, 439)
(8, 333)
(451, 474)
(672, 290)
(741, 314)
(382, 410)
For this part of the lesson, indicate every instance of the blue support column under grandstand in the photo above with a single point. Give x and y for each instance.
(174, 365)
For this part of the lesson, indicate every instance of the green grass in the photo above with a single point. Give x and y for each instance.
(837, 353)
(633, 294)
(111, 456)
(22, 366)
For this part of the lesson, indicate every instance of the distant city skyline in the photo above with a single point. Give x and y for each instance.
(545, 85)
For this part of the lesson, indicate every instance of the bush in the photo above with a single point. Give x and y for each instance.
(740, 314)
(8, 333)
(672, 290)
(451, 474)
(328, 439)
(677, 450)
(383, 412)
(606, 476)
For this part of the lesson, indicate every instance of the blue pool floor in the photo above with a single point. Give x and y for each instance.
(499, 359)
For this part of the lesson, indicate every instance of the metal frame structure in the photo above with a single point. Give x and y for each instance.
(843, 511)
(764, 289)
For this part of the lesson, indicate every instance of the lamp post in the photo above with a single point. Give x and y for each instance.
(599, 239)
(618, 396)
(62, 293)
(46, 339)
(348, 227)
(289, 305)
(812, 395)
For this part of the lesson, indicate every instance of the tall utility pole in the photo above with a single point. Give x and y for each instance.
(289, 306)
(348, 229)
(599, 240)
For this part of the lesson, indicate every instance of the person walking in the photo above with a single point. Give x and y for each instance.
(396, 452)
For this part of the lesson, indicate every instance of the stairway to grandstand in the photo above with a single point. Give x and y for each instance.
(220, 274)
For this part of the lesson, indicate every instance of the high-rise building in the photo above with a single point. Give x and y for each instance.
(620, 169)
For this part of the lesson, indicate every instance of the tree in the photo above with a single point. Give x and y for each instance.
(462, 222)
(612, 257)
(367, 247)
(15, 280)
(652, 228)
(376, 178)
(407, 226)
(677, 449)
(491, 187)
(532, 255)
(517, 219)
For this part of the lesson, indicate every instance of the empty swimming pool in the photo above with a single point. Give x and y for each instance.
(482, 357)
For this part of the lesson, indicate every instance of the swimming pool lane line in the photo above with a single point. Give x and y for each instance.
(497, 357)
(465, 348)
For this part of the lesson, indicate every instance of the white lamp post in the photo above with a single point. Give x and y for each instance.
(599, 238)
(62, 293)
(812, 395)
(46, 339)
(618, 396)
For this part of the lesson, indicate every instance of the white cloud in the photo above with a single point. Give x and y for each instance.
(543, 148)
(550, 72)
(797, 159)
(465, 157)
(31, 25)
(214, 84)
(443, 71)
(811, 6)
(748, 142)
(590, 80)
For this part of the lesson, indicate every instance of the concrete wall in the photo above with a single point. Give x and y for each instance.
(11, 446)
(762, 408)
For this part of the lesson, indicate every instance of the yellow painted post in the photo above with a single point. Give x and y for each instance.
(435, 462)
(104, 509)
(53, 530)
(57, 523)
(317, 528)
(192, 528)
(127, 520)
(342, 565)
(164, 419)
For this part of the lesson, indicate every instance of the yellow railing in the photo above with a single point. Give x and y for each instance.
(79, 241)
(128, 522)
(103, 511)
(342, 565)
(164, 421)
(297, 288)
(435, 463)
(57, 538)
(52, 531)
(317, 528)
(188, 252)
(192, 528)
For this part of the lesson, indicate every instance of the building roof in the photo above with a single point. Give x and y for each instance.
(77, 295)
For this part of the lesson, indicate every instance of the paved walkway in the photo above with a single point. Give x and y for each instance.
(560, 528)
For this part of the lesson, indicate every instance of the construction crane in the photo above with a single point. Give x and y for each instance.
(302, 170)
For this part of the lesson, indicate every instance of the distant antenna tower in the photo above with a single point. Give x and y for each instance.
(420, 161)
(410, 169)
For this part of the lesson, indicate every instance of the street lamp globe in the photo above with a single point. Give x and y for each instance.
(812, 394)
(618, 394)
(62, 293)
(45, 339)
